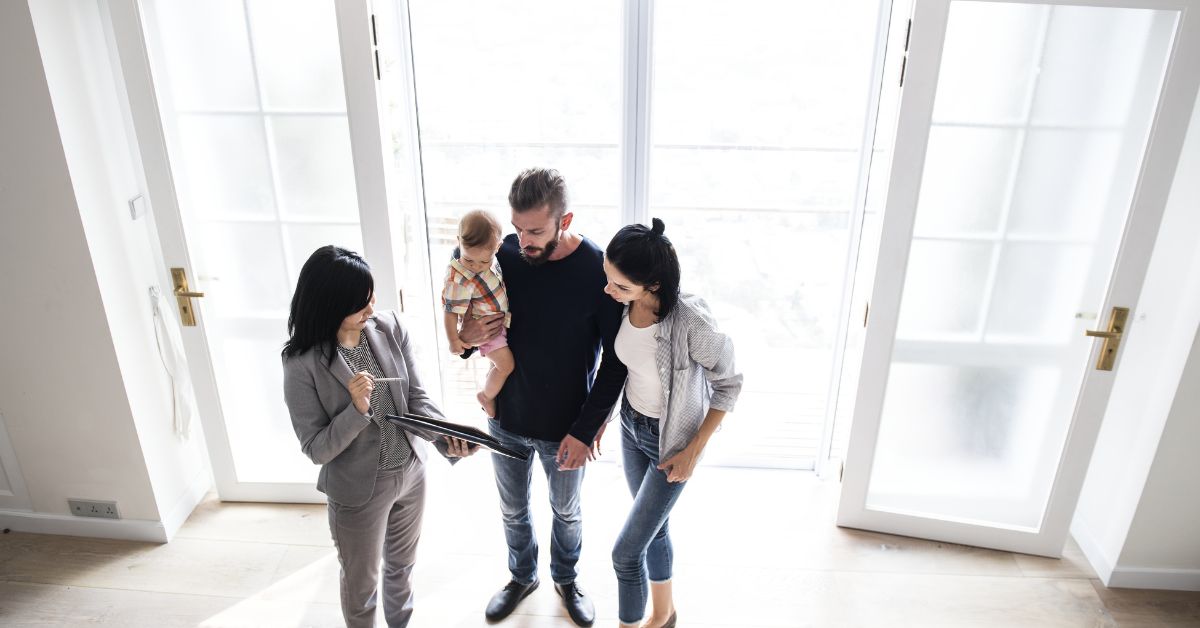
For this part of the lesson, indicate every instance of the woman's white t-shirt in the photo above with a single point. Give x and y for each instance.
(636, 349)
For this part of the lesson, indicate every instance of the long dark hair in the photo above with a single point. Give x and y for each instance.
(647, 258)
(334, 283)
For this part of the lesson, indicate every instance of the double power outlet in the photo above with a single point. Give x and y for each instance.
(94, 508)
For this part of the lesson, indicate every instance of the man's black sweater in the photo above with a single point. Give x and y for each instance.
(561, 318)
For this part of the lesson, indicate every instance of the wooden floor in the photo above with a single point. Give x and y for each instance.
(753, 549)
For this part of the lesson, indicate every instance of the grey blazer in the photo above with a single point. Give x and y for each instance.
(332, 432)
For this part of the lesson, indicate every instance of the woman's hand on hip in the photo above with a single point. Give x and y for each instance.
(679, 467)
(360, 387)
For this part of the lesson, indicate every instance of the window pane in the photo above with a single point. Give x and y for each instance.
(987, 63)
(302, 240)
(296, 47)
(506, 86)
(208, 52)
(943, 287)
(1092, 64)
(1067, 181)
(1052, 276)
(246, 362)
(966, 182)
(315, 167)
(757, 113)
(222, 168)
(244, 262)
(516, 73)
(962, 439)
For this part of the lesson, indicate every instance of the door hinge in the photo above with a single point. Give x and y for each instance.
(375, 48)
(904, 59)
(402, 300)
(866, 313)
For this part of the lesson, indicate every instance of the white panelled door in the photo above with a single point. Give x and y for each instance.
(1035, 150)
(258, 128)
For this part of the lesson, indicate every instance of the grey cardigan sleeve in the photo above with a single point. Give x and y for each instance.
(713, 350)
(322, 437)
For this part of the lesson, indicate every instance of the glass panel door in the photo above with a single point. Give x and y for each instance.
(252, 104)
(1036, 119)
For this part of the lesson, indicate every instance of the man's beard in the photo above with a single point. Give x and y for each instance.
(544, 256)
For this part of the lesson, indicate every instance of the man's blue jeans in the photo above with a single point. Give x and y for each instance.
(513, 480)
(644, 545)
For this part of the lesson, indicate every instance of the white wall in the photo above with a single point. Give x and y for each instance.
(1164, 540)
(61, 392)
(1136, 472)
(90, 415)
(93, 122)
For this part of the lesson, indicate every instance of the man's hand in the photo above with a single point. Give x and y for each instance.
(572, 454)
(476, 331)
(596, 442)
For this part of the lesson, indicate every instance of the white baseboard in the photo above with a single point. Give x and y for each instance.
(1134, 577)
(1155, 578)
(69, 525)
(124, 529)
(1099, 561)
(200, 485)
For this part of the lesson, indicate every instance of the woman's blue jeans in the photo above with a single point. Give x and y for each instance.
(643, 548)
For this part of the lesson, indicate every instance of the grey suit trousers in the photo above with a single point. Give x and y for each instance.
(387, 527)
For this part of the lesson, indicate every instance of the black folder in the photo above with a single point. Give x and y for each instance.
(430, 428)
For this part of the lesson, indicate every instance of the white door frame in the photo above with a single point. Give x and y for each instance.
(371, 163)
(1178, 94)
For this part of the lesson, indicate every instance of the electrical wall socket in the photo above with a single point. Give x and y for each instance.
(94, 508)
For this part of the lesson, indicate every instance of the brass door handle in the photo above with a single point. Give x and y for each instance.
(1112, 338)
(183, 297)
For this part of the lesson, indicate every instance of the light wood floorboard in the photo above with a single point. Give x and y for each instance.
(753, 549)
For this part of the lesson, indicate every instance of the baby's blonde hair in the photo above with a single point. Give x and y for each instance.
(478, 228)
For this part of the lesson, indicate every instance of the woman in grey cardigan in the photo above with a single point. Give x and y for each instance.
(682, 380)
(372, 472)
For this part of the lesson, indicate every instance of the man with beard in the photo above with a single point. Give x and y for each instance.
(549, 407)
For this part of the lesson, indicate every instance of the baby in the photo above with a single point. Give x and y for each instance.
(473, 284)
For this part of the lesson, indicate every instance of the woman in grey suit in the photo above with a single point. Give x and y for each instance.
(682, 380)
(372, 473)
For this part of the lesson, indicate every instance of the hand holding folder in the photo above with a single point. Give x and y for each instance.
(430, 429)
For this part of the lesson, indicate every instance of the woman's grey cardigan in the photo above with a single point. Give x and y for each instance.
(696, 369)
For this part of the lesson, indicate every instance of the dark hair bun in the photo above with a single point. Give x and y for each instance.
(658, 227)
